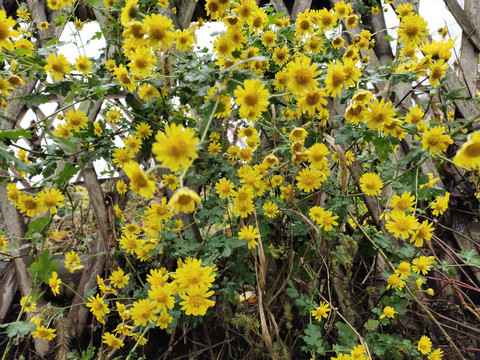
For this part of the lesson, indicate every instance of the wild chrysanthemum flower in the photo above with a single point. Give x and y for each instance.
(440, 204)
(251, 98)
(163, 320)
(98, 307)
(121, 187)
(379, 114)
(404, 269)
(171, 181)
(403, 202)
(270, 209)
(163, 296)
(159, 30)
(83, 65)
(122, 156)
(76, 119)
(425, 345)
(413, 29)
(224, 188)
(111, 340)
(371, 184)
(123, 77)
(176, 148)
(54, 283)
(394, 281)
(6, 32)
(388, 312)
(118, 278)
(43, 333)
(57, 66)
(29, 205)
(280, 55)
(143, 312)
(159, 212)
(192, 275)
(28, 304)
(250, 234)
(437, 71)
(469, 155)
(195, 301)
(139, 182)
(184, 200)
(50, 200)
(402, 224)
(321, 312)
(436, 355)
(309, 179)
(435, 140)
(335, 79)
(421, 265)
(424, 232)
(184, 39)
(301, 75)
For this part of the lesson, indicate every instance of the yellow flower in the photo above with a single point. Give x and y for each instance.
(309, 179)
(111, 340)
(51, 199)
(404, 269)
(143, 312)
(55, 283)
(321, 312)
(98, 307)
(395, 282)
(402, 224)
(413, 29)
(184, 39)
(159, 30)
(141, 62)
(403, 202)
(122, 156)
(24, 44)
(184, 200)
(176, 148)
(144, 131)
(214, 148)
(76, 119)
(63, 130)
(436, 355)
(171, 180)
(83, 65)
(28, 304)
(57, 66)
(163, 320)
(335, 79)
(119, 279)
(280, 55)
(139, 182)
(29, 205)
(133, 143)
(389, 312)
(44, 333)
(72, 261)
(6, 32)
(121, 73)
(250, 234)
(469, 155)
(440, 204)
(224, 188)
(379, 114)
(301, 75)
(437, 71)
(424, 232)
(371, 184)
(251, 98)
(3, 243)
(425, 345)
(421, 265)
(196, 302)
(44, 25)
(270, 209)
(121, 187)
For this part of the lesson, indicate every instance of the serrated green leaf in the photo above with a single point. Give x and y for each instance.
(44, 266)
(18, 328)
(371, 324)
(14, 135)
(38, 224)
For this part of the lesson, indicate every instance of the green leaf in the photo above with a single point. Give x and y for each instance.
(371, 324)
(33, 100)
(313, 338)
(14, 135)
(44, 266)
(18, 328)
(470, 257)
(346, 336)
(37, 225)
(67, 173)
